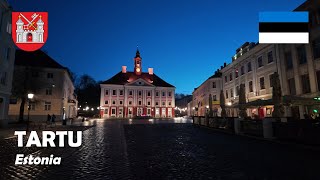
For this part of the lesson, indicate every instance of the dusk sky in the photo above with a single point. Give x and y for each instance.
(185, 41)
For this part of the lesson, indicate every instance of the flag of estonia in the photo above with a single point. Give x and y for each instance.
(283, 27)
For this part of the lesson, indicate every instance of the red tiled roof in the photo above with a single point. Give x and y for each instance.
(122, 79)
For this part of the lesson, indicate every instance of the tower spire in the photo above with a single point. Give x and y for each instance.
(137, 63)
(137, 53)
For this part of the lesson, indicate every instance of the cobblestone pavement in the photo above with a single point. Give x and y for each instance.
(159, 149)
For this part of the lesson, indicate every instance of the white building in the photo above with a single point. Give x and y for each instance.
(7, 56)
(253, 64)
(137, 94)
(50, 82)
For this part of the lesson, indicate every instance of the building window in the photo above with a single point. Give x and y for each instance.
(237, 90)
(48, 91)
(163, 103)
(227, 94)
(121, 92)
(140, 103)
(113, 102)
(236, 73)
(169, 103)
(292, 86)
(120, 102)
(214, 97)
(169, 94)
(140, 93)
(157, 93)
(47, 106)
(50, 75)
(230, 77)
(225, 78)
(149, 94)
(249, 67)
(288, 58)
(316, 47)
(9, 27)
(130, 103)
(130, 93)
(149, 103)
(107, 92)
(305, 84)
(106, 102)
(114, 92)
(302, 56)
(214, 85)
(270, 57)
(32, 106)
(260, 63)
(262, 83)
(242, 70)
(270, 79)
(3, 78)
(157, 103)
(13, 100)
(250, 86)
(231, 92)
(163, 93)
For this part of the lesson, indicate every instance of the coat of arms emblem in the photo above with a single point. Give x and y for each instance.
(29, 30)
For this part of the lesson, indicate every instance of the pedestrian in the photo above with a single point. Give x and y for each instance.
(53, 118)
(48, 119)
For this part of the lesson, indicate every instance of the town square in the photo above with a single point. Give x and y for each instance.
(160, 89)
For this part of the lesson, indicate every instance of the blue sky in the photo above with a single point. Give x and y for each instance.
(185, 41)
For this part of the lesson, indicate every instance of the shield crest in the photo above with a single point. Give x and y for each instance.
(29, 30)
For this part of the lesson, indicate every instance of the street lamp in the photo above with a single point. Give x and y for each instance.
(30, 96)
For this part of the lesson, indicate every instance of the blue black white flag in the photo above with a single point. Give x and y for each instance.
(284, 27)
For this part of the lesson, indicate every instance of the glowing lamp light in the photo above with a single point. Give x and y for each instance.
(30, 96)
(315, 111)
(229, 103)
(207, 107)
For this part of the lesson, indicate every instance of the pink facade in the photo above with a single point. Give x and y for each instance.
(137, 94)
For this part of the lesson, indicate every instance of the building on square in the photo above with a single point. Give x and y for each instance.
(7, 53)
(50, 82)
(137, 94)
(253, 65)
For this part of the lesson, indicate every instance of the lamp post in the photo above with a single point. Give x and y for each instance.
(30, 96)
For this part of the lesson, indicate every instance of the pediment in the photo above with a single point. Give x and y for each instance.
(139, 82)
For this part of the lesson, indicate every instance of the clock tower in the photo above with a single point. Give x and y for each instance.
(137, 63)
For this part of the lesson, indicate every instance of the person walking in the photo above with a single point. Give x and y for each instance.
(53, 119)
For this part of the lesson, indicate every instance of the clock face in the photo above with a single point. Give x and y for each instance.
(138, 69)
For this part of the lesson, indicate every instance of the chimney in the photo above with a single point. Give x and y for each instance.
(124, 69)
(150, 70)
(221, 67)
(225, 64)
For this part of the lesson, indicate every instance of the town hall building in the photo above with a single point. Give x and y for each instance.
(136, 94)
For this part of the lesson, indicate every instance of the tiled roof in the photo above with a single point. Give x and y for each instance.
(36, 59)
(122, 79)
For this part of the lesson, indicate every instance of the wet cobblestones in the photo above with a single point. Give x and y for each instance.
(122, 149)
